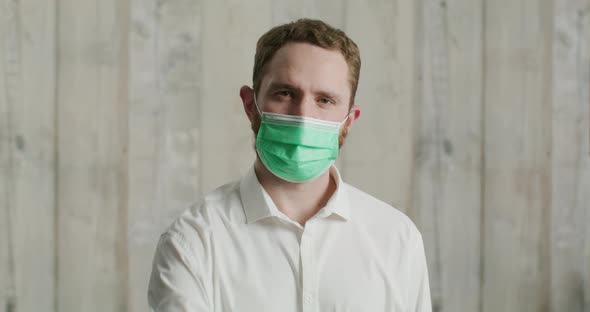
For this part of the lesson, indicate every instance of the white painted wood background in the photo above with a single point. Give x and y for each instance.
(115, 115)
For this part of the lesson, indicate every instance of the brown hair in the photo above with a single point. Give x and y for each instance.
(310, 31)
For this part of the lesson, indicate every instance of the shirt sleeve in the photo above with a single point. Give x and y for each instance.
(176, 284)
(419, 292)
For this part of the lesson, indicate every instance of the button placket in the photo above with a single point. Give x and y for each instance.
(309, 275)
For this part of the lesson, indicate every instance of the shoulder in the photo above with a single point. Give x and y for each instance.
(380, 216)
(195, 225)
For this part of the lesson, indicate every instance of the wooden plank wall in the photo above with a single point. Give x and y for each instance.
(91, 168)
(116, 115)
(28, 189)
(517, 147)
(570, 158)
(448, 151)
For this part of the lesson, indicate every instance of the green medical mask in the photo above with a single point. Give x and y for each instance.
(296, 148)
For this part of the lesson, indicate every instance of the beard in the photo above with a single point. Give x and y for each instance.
(257, 119)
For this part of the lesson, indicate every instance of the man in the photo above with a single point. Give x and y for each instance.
(291, 235)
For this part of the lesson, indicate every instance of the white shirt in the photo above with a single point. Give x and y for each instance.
(235, 251)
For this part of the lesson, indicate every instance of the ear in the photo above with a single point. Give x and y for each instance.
(353, 115)
(247, 95)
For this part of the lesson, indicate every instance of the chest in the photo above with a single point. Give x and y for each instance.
(308, 272)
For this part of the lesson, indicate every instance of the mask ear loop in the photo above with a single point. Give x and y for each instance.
(258, 108)
(345, 119)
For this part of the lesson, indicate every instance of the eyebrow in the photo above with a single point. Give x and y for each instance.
(331, 95)
(281, 86)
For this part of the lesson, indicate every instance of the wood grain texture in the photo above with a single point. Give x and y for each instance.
(378, 156)
(164, 127)
(92, 162)
(27, 104)
(8, 39)
(570, 198)
(447, 193)
(517, 174)
(431, 127)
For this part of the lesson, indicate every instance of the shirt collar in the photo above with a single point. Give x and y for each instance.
(258, 204)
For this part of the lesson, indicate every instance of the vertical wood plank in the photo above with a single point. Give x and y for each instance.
(378, 156)
(8, 43)
(431, 126)
(166, 82)
(27, 155)
(570, 256)
(92, 160)
(230, 31)
(517, 134)
(448, 151)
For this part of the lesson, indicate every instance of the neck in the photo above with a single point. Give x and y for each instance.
(298, 201)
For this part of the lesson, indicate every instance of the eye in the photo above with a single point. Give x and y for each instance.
(285, 93)
(325, 101)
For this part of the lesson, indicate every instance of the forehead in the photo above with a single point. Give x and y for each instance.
(306, 66)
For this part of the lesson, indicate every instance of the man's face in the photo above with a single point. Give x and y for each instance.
(306, 80)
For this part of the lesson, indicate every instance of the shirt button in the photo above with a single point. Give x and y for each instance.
(307, 298)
